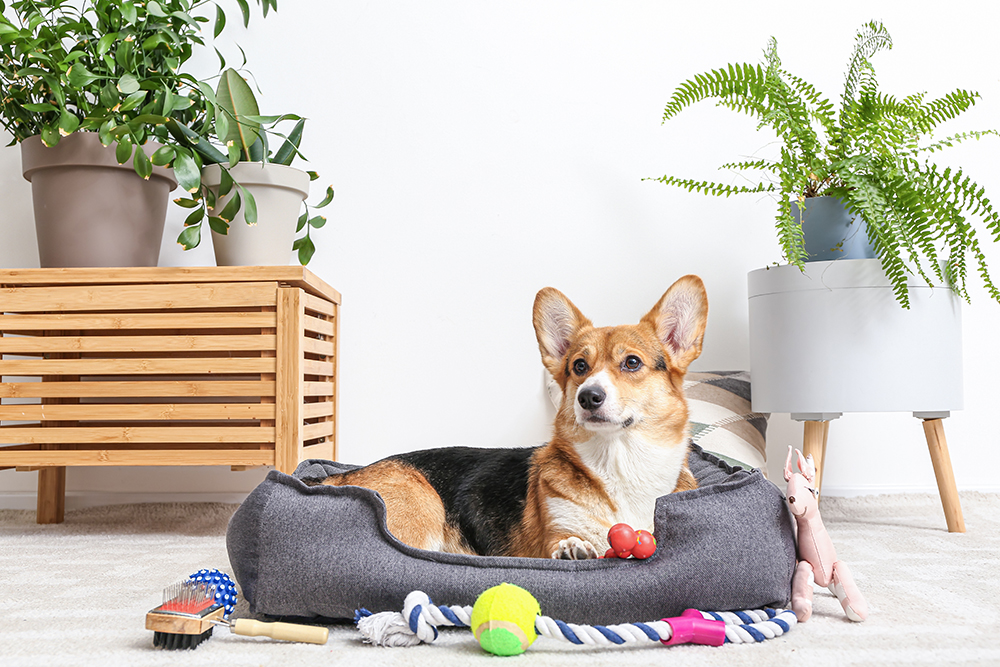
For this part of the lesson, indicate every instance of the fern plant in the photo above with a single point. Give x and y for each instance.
(871, 152)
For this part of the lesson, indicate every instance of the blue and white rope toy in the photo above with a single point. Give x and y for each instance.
(420, 619)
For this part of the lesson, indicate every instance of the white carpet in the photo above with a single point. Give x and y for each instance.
(77, 594)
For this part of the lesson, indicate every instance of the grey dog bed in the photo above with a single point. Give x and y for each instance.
(322, 552)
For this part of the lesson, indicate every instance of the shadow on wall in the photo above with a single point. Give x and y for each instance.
(19, 249)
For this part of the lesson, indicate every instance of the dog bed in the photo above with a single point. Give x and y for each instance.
(322, 552)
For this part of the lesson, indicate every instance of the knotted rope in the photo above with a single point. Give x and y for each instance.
(420, 619)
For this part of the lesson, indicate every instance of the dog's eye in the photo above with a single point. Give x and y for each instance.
(580, 367)
(631, 363)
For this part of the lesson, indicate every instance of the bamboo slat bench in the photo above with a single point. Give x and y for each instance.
(164, 366)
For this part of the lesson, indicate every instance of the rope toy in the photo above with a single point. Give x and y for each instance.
(420, 619)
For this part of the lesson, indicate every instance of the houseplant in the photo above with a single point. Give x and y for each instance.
(107, 71)
(251, 196)
(871, 152)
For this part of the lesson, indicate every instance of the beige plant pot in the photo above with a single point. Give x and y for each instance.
(90, 210)
(279, 192)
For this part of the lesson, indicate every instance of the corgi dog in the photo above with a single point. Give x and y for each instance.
(620, 441)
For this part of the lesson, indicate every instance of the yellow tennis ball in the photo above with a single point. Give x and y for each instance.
(503, 619)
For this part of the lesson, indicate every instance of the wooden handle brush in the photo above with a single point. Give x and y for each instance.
(189, 613)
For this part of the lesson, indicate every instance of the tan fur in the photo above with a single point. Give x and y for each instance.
(414, 512)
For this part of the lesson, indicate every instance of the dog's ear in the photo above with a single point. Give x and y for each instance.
(679, 320)
(557, 321)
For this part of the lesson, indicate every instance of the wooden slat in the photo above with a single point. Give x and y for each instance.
(165, 389)
(320, 430)
(316, 346)
(148, 411)
(310, 367)
(288, 392)
(316, 325)
(298, 276)
(184, 343)
(322, 450)
(135, 297)
(206, 365)
(316, 410)
(137, 434)
(318, 305)
(183, 321)
(318, 388)
(142, 457)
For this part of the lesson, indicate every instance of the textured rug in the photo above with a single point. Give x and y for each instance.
(77, 594)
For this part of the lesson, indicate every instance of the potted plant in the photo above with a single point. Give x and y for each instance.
(251, 196)
(870, 153)
(826, 337)
(100, 82)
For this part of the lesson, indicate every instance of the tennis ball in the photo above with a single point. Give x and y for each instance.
(503, 619)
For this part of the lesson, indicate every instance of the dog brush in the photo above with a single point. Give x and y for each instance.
(190, 612)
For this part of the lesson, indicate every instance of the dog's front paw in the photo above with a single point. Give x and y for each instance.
(573, 548)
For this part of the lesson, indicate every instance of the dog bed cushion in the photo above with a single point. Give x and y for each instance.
(322, 552)
(722, 421)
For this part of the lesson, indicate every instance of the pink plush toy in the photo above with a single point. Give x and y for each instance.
(817, 557)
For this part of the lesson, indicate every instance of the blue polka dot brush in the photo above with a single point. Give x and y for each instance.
(192, 608)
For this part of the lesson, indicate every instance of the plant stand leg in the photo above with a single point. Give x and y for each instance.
(51, 506)
(814, 436)
(938, 446)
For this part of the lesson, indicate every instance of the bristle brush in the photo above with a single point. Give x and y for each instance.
(191, 610)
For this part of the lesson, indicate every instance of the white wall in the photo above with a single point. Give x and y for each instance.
(481, 151)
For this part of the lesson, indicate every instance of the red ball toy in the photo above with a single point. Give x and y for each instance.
(626, 542)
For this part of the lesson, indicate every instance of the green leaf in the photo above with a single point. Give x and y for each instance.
(133, 100)
(155, 9)
(40, 108)
(50, 135)
(327, 199)
(109, 95)
(245, 8)
(195, 216)
(225, 182)
(68, 123)
(187, 203)
(249, 205)
(235, 96)
(313, 176)
(123, 151)
(141, 163)
(128, 84)
(105, 42)
(163, 155)
(234, 155)
(218, 225)
(286, 153)
(303, 219)
(220, 22)
(306, 251)
(190, 237)
(187, 173)
(231, 208)
(130, 14)
(317, 222)
(80, 77)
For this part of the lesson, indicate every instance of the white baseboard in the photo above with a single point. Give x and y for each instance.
(25, 500)
(854, 491)
(75, 500)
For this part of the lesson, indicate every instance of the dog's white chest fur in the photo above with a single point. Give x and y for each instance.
(634, 472)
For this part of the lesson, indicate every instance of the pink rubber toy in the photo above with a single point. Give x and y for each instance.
(817, 556)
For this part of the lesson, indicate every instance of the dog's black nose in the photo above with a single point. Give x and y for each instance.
(591, 398)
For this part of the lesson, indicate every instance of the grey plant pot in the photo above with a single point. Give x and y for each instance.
(90, 210)
(831, 232)
(279, 191)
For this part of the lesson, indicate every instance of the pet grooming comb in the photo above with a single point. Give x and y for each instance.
(190, 612)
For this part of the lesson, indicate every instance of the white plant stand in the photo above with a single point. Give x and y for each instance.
(833, 339)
